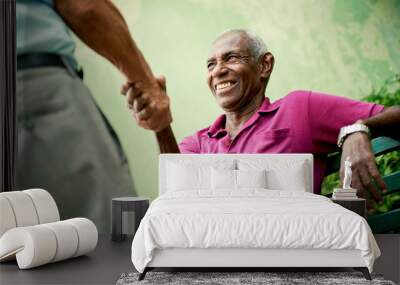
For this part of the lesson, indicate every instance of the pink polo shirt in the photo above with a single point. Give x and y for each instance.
(301, 122)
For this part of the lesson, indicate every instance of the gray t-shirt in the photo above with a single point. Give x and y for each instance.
(41, 30)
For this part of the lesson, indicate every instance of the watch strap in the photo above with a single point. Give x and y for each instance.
(347, 130)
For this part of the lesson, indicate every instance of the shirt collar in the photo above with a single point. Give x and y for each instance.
(218, 127)
(267, 107)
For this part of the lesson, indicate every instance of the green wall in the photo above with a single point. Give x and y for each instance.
(342, 47)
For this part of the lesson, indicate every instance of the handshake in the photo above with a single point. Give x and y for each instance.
(149, 103)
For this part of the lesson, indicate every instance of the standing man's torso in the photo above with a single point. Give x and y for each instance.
(41, 30)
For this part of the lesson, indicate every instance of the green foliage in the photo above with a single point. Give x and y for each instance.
(330, 182)
(387, 95)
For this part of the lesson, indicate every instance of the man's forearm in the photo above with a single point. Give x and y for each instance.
(386, 123)
(101, 26)
(166, 141)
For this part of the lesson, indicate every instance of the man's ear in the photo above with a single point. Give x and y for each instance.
(267, 64)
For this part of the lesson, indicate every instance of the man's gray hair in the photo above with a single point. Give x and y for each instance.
(257, 47)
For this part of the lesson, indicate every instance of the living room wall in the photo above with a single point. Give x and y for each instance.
(343, 47)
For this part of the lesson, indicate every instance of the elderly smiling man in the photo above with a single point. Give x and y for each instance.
(239, 68)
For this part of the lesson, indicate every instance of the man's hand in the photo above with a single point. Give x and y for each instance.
(357, 146)
(150, 104)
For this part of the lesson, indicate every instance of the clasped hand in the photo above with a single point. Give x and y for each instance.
(149, 103)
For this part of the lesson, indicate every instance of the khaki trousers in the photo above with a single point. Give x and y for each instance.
(66, 146)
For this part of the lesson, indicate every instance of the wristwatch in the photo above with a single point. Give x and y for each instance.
(347, 130)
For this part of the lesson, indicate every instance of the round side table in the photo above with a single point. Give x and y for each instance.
(122, 207)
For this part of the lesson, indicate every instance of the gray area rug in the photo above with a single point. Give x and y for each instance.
(233, 278)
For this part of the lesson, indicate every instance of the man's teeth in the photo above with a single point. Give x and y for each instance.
(223, 85)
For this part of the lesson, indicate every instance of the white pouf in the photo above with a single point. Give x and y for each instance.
(23, 208)
(32, 233)
(45, 205)
(40, 244)
(7, 218)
